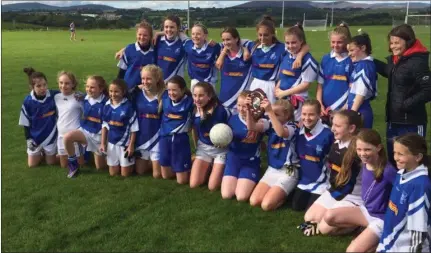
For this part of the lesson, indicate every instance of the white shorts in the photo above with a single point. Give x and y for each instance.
(93, 143)
(327, 201)
(149, 155)
(210, 153)
(374, 223)
(50, 150)
(280, 178)
(115, 156)
(61, 150)
(267, 86)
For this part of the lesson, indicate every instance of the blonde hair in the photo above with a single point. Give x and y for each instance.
(101, 83)
(158, 83)
(244, 94)
(287, 107)
(147, 26)
(70, 75)
(344, 31)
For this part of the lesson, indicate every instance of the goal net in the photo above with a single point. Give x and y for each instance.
(419, 20)
(397, 22)
(315, 24)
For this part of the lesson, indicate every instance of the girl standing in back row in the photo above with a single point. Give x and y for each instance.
(294, 82)
(137, 55)
(334, 73)
(267, 54)
(363, 80)
(409, 85)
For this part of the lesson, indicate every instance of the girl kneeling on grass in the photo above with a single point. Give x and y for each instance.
(344, 175)
(243, 158)
(312, 145)
(39, 116)
(90, 132)
(177, 107)
(407, 220)
(377, 178)
(209, 112)
(281, 176)
(119, 129)
(147, 102)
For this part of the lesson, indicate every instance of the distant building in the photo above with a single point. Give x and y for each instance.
(109, 16)
(89, 15)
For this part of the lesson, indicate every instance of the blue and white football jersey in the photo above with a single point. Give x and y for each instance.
(290, 77)
(245, 143)
(171, 57)
(201, 61)
(282, 151)
(235, 77)
(93, 114)
(408, 216)
(176, 117)
(203, 128)
(266, 65)
(363, 81)
(334, 77)
(120, 120)
(133, 60)
(149, 122)
(312, 149)
(40, 116)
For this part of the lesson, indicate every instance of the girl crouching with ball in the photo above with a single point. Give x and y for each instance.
(209, 112)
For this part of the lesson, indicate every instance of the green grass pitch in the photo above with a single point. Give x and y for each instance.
(42, 210)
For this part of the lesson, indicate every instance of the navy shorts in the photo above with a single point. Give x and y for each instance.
(242, 168)
(175, 152)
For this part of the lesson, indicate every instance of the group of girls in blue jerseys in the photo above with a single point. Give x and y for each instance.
(323, 155)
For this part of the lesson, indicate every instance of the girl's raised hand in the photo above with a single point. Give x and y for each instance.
(248, 101)
(212, 43)
(266, 105)
(278, 93)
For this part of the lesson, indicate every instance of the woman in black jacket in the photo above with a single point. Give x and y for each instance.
(409, 85)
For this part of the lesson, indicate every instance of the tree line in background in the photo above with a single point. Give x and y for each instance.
(211, 17)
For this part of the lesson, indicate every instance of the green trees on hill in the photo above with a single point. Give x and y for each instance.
(211, 17)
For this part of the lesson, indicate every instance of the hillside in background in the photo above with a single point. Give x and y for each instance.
(251, 4)
(45, 7)
(95, 16)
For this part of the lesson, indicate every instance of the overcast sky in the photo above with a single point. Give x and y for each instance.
(161, 5)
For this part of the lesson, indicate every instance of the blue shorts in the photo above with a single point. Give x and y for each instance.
(72, 30)
(175, 152)
(242, 168)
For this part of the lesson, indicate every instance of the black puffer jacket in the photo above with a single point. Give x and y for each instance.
(409, 85)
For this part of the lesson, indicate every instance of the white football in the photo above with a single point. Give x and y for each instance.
(359, 30)
(221, 135)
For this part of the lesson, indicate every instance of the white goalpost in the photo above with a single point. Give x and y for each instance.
(315, 24)
(417, 19)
